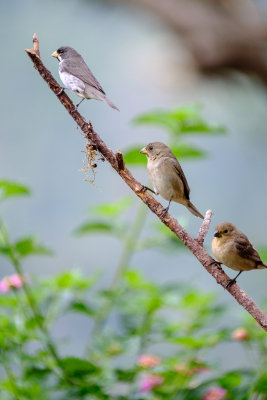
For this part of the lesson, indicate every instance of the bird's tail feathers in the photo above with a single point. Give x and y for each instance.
(262, 266)
(110, 103)
(193, 209)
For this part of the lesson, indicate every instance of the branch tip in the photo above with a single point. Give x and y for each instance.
(204, 227)
(120, 160)
(36, 45)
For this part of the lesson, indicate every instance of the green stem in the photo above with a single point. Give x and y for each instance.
(143, 337)
(130, 244)
(52, 310)
(125, 258)
(261, 366)
(31, 301)
(12, 381)
(143, 334)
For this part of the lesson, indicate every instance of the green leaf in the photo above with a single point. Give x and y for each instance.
(28, 246)
(179, 121)
(8, 301)
(165, 240)
(261, 384)
(156, 117)
(115, 208)
(132, 155)
(188, 151)
(126, 375)
(135, 280)
(206, 340)
(34, 322)
(5, 251)
(263, 253)
(81, 308)
(71, 280)
(77, 367)
(94, 227)
(194, 299)
(37, 372)
(11, 189)
(230, 380)
(183, 151)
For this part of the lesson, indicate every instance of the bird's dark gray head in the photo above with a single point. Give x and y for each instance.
(156, 149)
(65, 52)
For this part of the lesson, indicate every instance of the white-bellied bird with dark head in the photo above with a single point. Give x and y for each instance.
(77, 77)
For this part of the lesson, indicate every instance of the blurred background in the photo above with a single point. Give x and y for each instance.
(147, 55)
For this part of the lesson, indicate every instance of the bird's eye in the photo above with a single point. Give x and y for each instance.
(150, 148)
(60, 51)
(225, 231)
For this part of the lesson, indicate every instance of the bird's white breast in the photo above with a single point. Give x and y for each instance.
(72, 83)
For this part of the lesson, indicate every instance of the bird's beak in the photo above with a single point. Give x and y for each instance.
(55, 54)
(217, 234)
(144, 151)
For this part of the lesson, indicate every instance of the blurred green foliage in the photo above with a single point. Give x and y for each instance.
(113, 219)
(10, 189)
(145, 340)
(134, 322)
(178, 124)
(179, 121)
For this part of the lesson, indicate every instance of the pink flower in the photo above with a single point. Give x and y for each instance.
(148, 361)
(149, 382)
(184, 370)
(12, 281)
(201, 370)
(16, 281)
(240, 334)
(4, 285)
(215, 394)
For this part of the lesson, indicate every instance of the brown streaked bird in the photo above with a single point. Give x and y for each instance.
(167, 176)
(77, 77)
(233, 249)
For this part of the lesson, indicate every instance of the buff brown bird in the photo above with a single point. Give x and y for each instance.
(167, 176)
(233, 249)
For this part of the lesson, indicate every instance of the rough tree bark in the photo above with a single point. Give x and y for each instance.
(95, 143)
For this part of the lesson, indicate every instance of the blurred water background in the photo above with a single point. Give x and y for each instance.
(142, 65)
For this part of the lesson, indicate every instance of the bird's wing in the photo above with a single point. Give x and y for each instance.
(79, 69)
(246, 250)
(181, 174)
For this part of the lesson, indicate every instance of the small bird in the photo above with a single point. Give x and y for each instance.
(233, 249)
(77, 77)
(167, 176)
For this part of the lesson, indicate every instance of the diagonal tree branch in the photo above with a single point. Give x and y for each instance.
(204, 228)
(116, 161)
